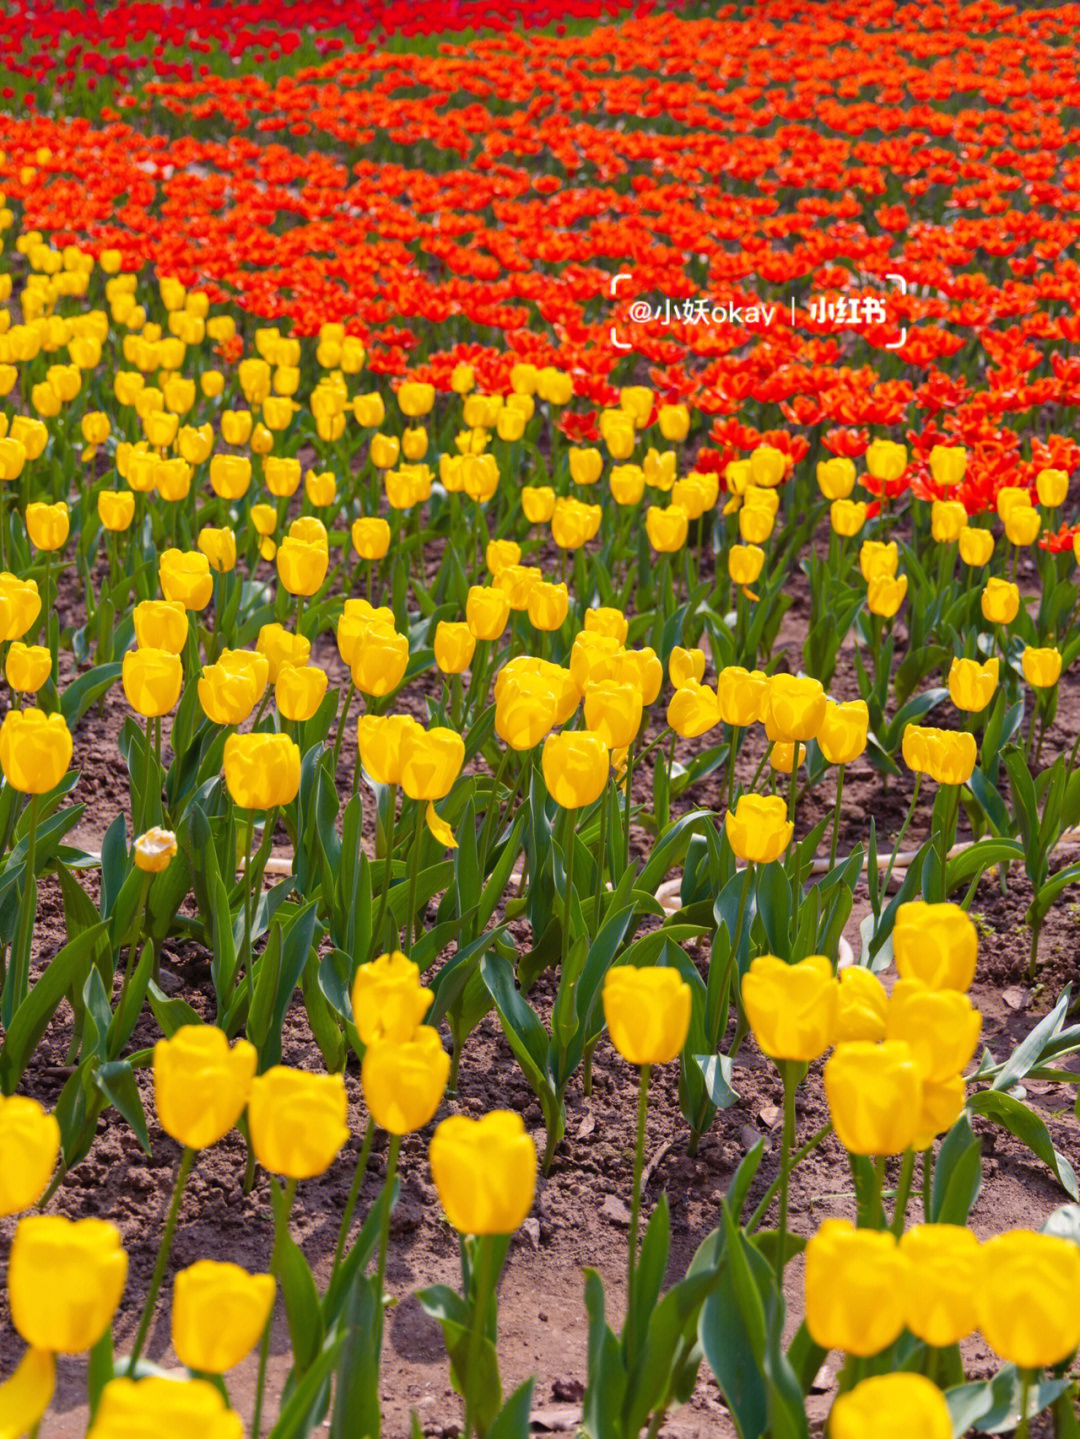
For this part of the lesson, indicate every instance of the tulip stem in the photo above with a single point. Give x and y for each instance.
(249, 838)
(19, 978)
(571, 846)
(796, 857)
(903, 1192)
(384, 1234)
(414, 878)
(492, 809)
(482, 1277)
(952, 813)
(790, 1085)
(341, 727)
(281, 1228)
(626, 811)
(899, 840)
(1024, 1427)
(187, 1159)
(635, 1205)
(740, 917)
(796, 1159)
(145, 795)
(836, 815)
(600, 855)
(388, 860)
(354, 1195)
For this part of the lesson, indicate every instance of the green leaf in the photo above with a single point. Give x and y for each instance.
(1026, 1126)
(993, 1406)
(957, 1175)
(116, 1081)
(171, 1014)
(31, 1019)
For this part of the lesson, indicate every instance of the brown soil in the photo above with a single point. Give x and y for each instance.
(580, 1213)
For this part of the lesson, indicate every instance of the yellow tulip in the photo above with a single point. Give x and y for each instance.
(388, 1000)
(35, 750)
(647, 1011)
(940, 1027)
(116, 509)
(1052, 486)
(297, 1121)
(674, 422)
(161, 625)
(281, 647)
(201, 1086)
(371, 537)
(971, 684)
(485, 1172)
(886, 460)
(575, 765)
(796, 708)
(856, 1288)
(742, 695)
(26, 1396)
(875, 1094)
(948, 464)
(538, 503)
(261, 770)
(487, 611)
(27, 667)
(302, 567)
(843, 733)
(380, 657)
(1042, 667)
(430, 761)
(525, 710)
(693, 710)
(685, 665)
(548, 606)
(230, 476)
(885, 594)
(667, 529)
(454, 647)
(29, 1148)
(945, 1262)
(185, 576)
(948, 519)
(976, 546)
(836, 477)
(863, 1006)
(847, 517)
(48, 525)
(157, 1405)
(219, 1312)
(876, 558)
(298, 692)
(613, 711)
(759, 830)
(891, 1406)
(65, 1279)
(155, 850)
(152, 680)
(404, 1080)
(227, 695)
(792, 1008)
(1000, 601)
(379, 741)
(1026, 1297)
(935, 943)
(604, 620)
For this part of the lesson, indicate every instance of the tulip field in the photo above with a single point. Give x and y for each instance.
(539, 720)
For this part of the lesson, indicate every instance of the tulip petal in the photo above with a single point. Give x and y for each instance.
(439, 828)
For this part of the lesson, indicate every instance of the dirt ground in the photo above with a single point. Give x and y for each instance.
(581, 1212)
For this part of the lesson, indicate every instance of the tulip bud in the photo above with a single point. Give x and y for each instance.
(936, 943)
(116, 509)
(613, 711)
(454, 647)
(886, 460)
(885, 594)
(876, 558)
(525, 709)
(742, 695)
(605, 620)
(948, 519)
(1052, 487)
(667, 529)
(299, 691)
(185, 576)
(948, 464)
(262, 771)
(48, 525)
(847, 517)
(976, 546)
(796, 708)
(487, 610)
(430, 761)
(538, 503)
(371, 537)
(836, 477)
(745, 563)
(379, 742)
(693, 710)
